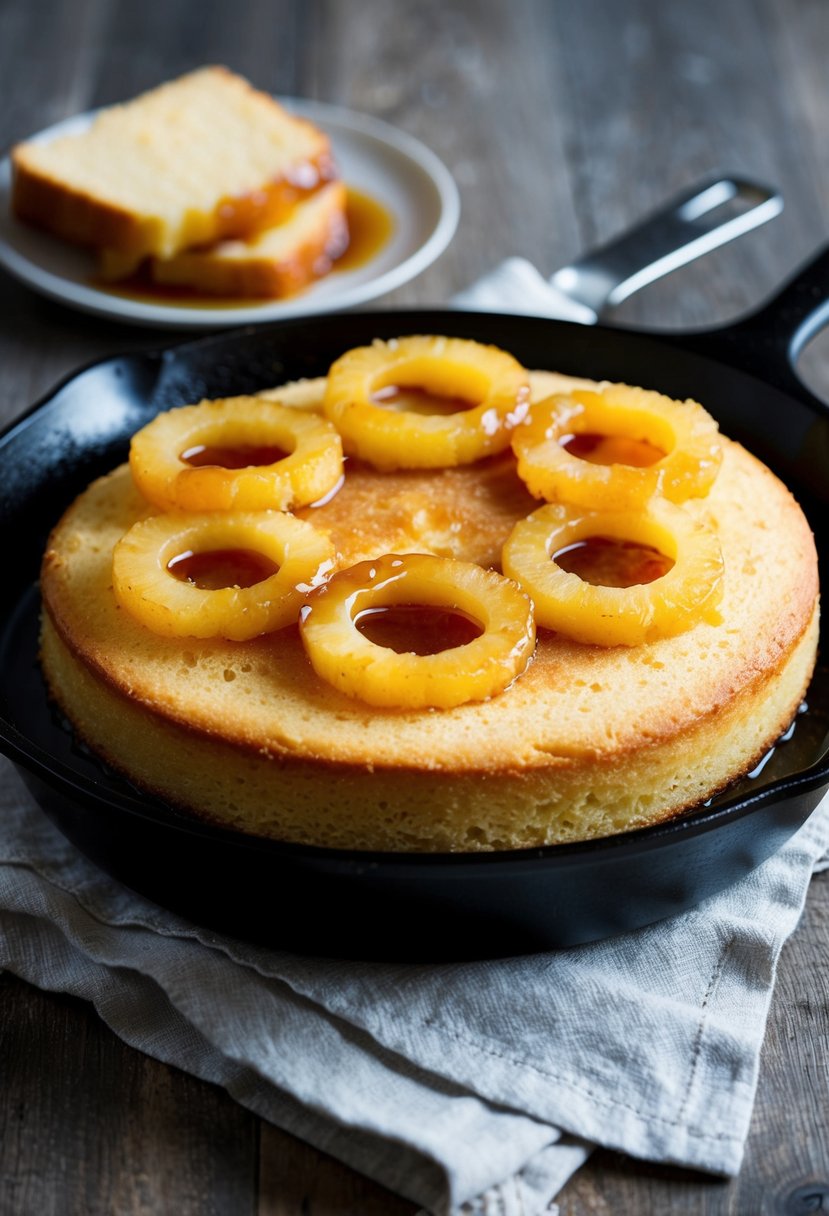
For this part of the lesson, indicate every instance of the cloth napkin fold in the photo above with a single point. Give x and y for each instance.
(469, 1088)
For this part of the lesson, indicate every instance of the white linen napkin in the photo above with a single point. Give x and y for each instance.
(469, 1088)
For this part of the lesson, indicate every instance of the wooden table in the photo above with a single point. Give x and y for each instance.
(562, 123)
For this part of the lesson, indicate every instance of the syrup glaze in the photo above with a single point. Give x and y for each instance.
(214, 569)
(243, 456)
(414, 400)
(417, 628)
(606, 562)
(370, 226)
(612, 449)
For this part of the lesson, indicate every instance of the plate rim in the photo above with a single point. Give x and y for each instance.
(354, 123)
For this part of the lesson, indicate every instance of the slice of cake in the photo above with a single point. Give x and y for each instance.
(276, 262)
(204, 158)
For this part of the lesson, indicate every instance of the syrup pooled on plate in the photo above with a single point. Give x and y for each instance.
(370, 227)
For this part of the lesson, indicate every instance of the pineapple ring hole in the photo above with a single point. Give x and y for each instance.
(212, 569)
(594, 429)
(612, 449)
(153, 560)
(607, 615)
(610, 562)
(239, 456)
(426, 387)
(236, 454)
(654, 530)
(417, 628)
(616, 447)
(426, 402)
(343, 654)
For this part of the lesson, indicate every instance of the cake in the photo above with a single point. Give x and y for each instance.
(202, 159)
(589, 741)
(278, 261)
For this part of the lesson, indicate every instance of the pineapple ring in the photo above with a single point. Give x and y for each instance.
(342, 656)
(311, 470)
(617, 616)
(145, 587)
(494, 383)
(684, 431)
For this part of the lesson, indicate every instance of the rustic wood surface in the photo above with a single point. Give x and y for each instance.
(562, 122)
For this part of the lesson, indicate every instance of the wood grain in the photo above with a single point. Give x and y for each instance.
(89, 1126)
(294, 1178)
(562, 124)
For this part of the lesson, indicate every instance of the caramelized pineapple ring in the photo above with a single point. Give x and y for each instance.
(683, 431)
(494, 385)
(146, 586)
(617, 616)
(380, 676)
(279, 457)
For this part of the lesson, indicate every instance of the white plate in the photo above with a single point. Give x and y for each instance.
(374, 158)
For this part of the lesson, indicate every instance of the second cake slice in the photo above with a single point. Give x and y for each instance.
(204, 158)
(276, 262)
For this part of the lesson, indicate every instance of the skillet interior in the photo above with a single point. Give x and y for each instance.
(331, 901)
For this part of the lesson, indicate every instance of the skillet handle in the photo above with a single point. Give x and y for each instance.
(708, 215)
(768, 342)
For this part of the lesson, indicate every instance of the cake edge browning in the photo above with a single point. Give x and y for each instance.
(357, 806)
(494, 786)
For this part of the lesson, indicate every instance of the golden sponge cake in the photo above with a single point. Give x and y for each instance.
(587, 742)
(275, 262)
(203, 158)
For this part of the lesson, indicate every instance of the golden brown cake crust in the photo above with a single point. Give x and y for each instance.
(72, 214)
(588, 741)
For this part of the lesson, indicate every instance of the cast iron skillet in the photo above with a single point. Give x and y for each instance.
(408, 906)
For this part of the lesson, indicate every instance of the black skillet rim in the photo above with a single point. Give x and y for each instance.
(21, 750)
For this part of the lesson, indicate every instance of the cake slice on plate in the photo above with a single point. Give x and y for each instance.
(275, 262)
(202, 159)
